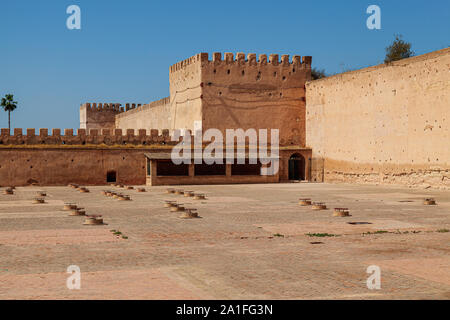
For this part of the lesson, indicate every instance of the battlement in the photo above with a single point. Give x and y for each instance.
(117, 107)
(86, 137)
(241, 59)
(194, 59)
(103, 107)
(153, 104)
(115, 137)
(102, 115)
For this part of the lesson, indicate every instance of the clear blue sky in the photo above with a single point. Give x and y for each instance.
(124, 49)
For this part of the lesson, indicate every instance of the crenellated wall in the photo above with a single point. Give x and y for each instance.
(256, 92)
(185, 79)
(84, 158)
(387, 124)
(101, 115)
(88, 156)
(231, 93)
(180, 110)
(155, 115)
(86, 137)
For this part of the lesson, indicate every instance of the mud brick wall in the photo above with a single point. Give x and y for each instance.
(388, 124)
(246, 91)
(101, 115)
(58, 166)
(155, 115)
(230, 93)
(84, 158)
(85, 137)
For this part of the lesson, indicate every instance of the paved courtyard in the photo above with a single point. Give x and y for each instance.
(251, 242)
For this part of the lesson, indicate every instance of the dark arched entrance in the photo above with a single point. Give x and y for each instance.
(111, 176)
(296, 167)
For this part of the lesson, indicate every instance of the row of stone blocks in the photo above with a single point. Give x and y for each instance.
(92, 136)
(241, 60)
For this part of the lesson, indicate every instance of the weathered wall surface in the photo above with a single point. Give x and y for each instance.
(246, 92)
(230, 94)
(86, 137)
(383, 124)
(60, 166)
(99, 116)
(155, 115)
(179, 111)
(185, 79)
(84, 158)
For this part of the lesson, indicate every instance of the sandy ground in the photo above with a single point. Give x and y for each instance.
(251, 242)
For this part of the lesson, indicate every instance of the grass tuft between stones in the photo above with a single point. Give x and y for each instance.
(322, 235)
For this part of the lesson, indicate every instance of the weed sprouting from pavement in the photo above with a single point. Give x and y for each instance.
(376, 232)
(322, 235)
(278, 235)
(393, 232)
(118, 234)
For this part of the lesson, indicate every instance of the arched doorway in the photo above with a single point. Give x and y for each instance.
(296, 167)
(111, 176)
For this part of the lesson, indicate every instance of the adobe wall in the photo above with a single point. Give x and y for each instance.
(85, 137)
(61, 166)
(98, 116)
(155, 115)
(383, 124)
(84, 158)
(264, 93)
(179, 111)
(185, 80)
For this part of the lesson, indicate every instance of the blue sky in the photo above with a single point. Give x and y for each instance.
(124, 48)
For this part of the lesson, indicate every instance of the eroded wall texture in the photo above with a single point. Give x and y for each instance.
(179, 111)
(251, 92)
(387, 124)
(99, 116)
(155, 115)
(45, 158)
(60, 166)
(185, 80)
(90, 156)
(230, 92)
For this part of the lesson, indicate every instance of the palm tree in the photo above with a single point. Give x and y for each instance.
(9, 105)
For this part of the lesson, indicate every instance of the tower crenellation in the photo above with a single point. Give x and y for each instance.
(101, 115)
(242, 60)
